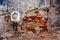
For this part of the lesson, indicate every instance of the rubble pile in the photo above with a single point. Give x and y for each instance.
(34, 21)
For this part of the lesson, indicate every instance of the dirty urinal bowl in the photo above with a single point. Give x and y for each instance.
(15, 16)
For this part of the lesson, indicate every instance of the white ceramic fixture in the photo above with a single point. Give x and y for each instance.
(15, 16)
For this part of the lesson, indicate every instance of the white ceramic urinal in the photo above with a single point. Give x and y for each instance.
(15, 16)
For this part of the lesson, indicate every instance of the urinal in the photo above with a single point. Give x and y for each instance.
(15, 16)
